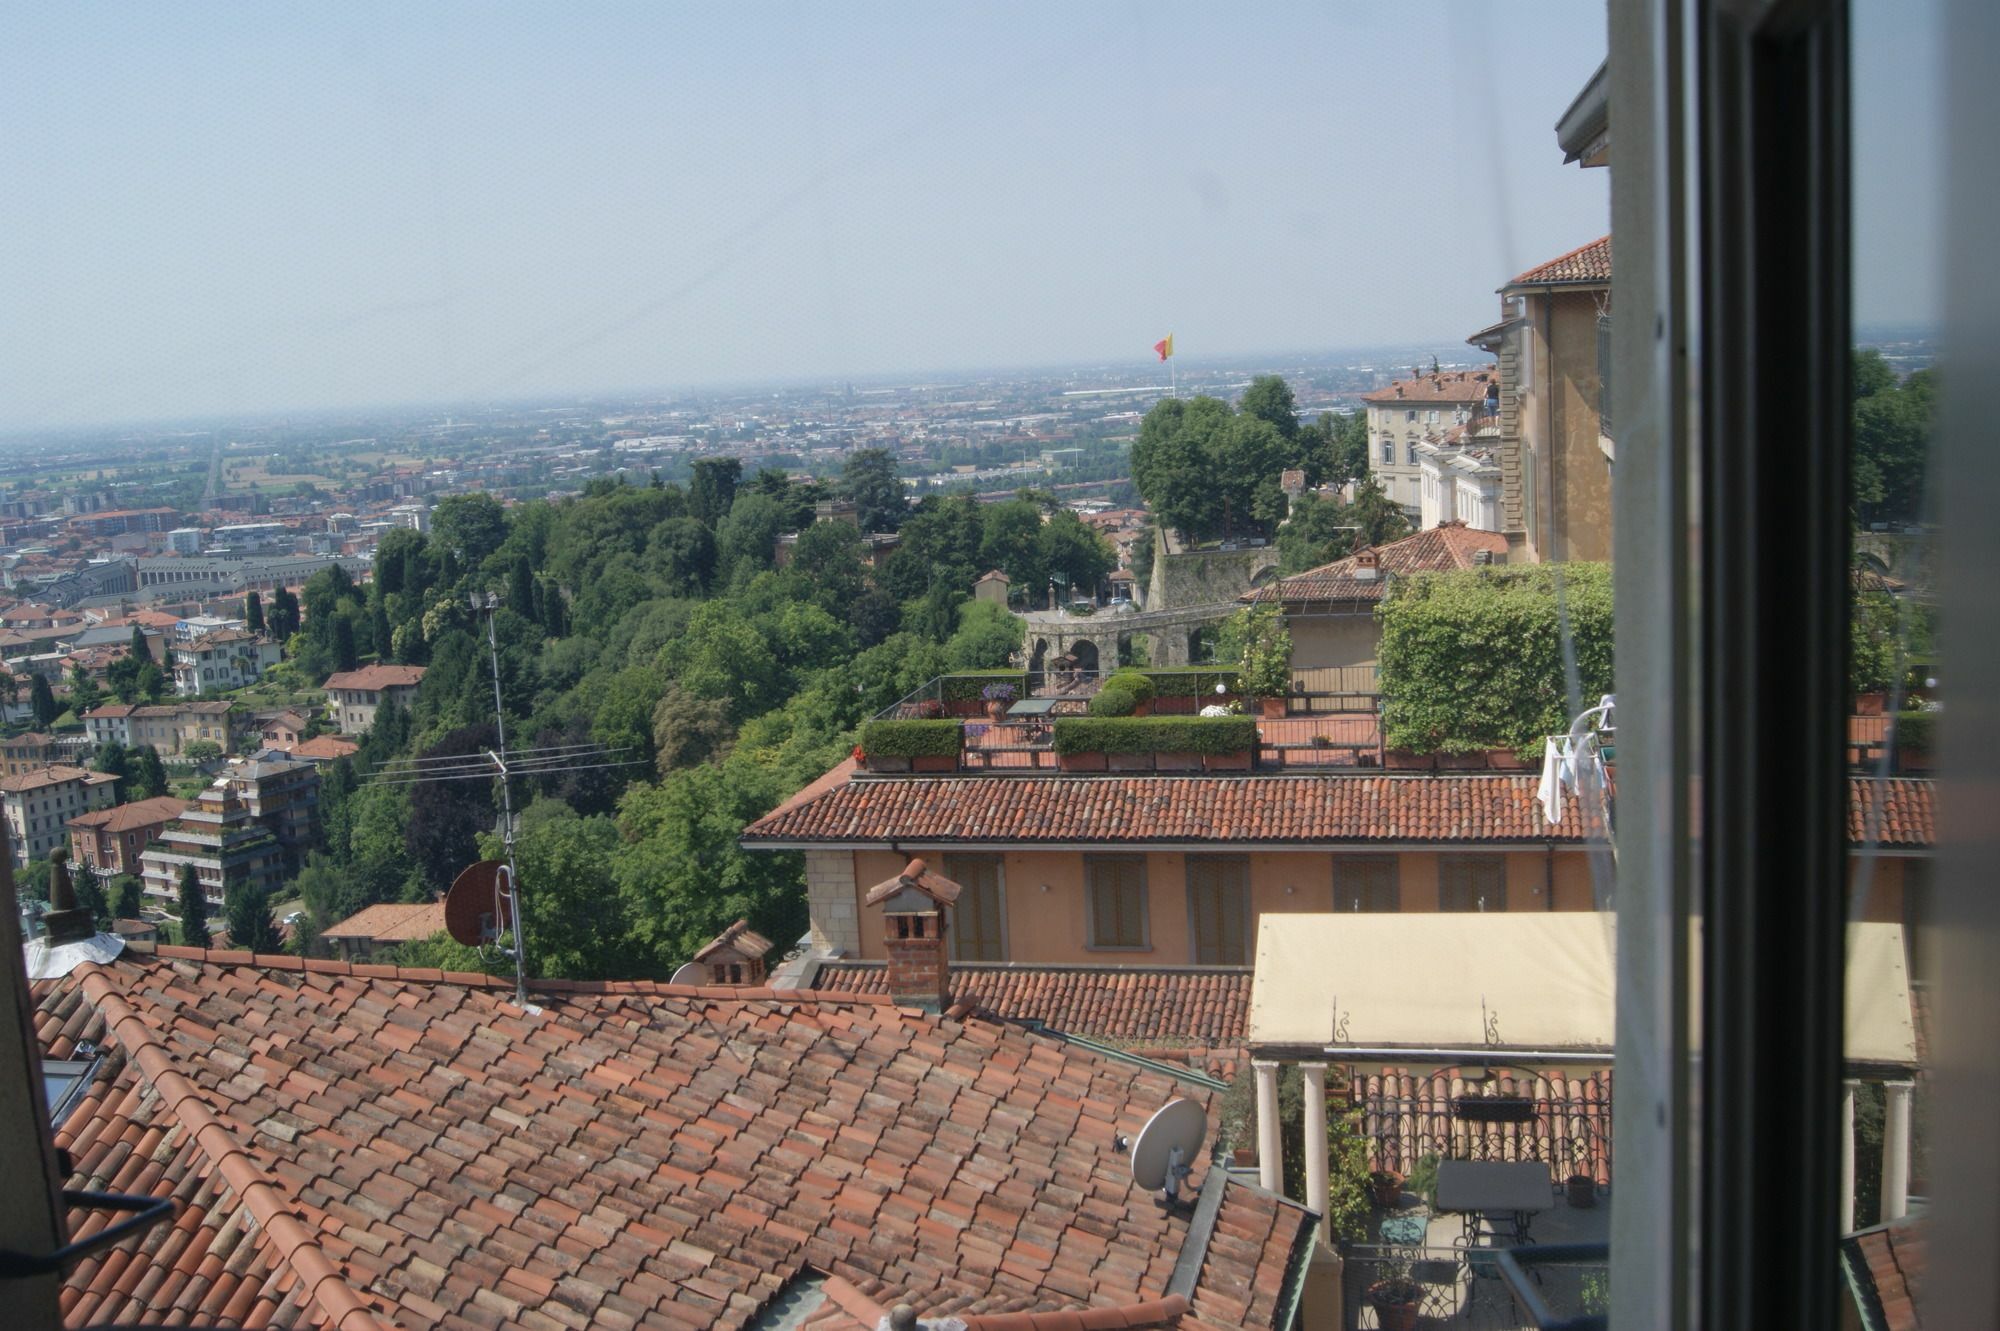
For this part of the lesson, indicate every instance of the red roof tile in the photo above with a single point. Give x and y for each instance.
(127, 817)
(374, 678)
(359, 1145)
(1445, 386)
(1586, 265)
(1441, 549)
(1233, 810)
(1885, 1271)
(1203, 1006)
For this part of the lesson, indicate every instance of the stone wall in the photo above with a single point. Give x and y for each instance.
(830, 900)
(1205, 577)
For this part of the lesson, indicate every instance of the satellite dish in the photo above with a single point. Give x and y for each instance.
(480, 906)
(692, 972)
(1166, 1145)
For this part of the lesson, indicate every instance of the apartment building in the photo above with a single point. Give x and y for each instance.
(168, 727)
(1411, 411)
(354, 696)
(20, 754)
(1556, 451)
(223, 660)
(38, 806)
(281, 793)
(224, 842)
(109, 841)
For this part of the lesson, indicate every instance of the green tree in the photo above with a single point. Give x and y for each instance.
(712, 492)
(1892, 436)
(1269, 399)
(868, 480)
(42, 700)
(138, 648)
(113, 758)
(345, 655)
(146, 774)
(1012, 542)
(1174, 464)
(986, 639)
(521, 587)
(1072, 551)
(193, 909)
(722, 655)
(253, 612)
(828, 566)
(576, 928)
(127, 896)
(680, 557)
(201, 751)
(284, 617)
(471, 525)
(89, 892)
(689, 731)
(247, 910)
(747, 539)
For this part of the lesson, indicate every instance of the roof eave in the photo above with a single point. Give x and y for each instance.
(1584, 129)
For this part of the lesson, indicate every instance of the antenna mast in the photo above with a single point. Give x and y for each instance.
(486, 603)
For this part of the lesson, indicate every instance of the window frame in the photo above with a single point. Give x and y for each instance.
(1091, 864)
(1245, 910)
(954, 866)
(1394, 863)
(1468, 861)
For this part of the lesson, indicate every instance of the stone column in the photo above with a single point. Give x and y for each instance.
(1317, 1192)
(1847, 1156)
(1270, 1148)
(1896, 1150)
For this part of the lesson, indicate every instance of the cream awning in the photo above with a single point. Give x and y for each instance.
(1540, 981)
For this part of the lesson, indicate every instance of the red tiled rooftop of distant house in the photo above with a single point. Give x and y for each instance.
(1444, 386)
(125, 817)
(1171, 1005)
(1586, 265)
(52, 776)
(390, 922)
(1440, 549)
(841, 810)
(1885, 1268)
(354, 1145)
(376, 677)
(321, 748)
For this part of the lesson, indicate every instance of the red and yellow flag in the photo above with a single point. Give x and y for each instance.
(1164, 347)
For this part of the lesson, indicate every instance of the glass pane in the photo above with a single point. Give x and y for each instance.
(977, 931)
(1218, 902)
(1367, 883)
(1472, 882)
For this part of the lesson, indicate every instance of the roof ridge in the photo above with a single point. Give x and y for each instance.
(284, 961)
(322, 1278)
(1146, 1313)
(1529, 272)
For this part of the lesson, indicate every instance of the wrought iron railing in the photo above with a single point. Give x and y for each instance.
(1435, 1286)
(1564, 1121)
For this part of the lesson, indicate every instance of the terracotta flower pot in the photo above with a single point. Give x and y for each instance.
(1226, 762)
(1402, 760)
(1080, 762)
(1582, 1191)
(1395, 1303)
(1386, 1187)
(1273, 708)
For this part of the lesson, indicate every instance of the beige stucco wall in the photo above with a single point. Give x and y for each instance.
(1333, 640)
(1570, 509)
(1045, 908)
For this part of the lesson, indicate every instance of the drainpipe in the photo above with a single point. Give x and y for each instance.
(1549, 878)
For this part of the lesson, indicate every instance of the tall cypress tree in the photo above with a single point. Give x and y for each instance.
(194, 909)
(248, 910)
(521, 589)
(42, 699)
(141, 649)
(253, 612)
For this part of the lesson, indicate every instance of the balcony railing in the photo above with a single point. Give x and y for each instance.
(1470, 1287)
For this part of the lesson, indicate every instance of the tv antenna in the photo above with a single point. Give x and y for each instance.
(1166, 1145)
(499, 763)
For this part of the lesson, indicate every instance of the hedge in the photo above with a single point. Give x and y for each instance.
(967, 687)
(1114, 699)
(1155, 734)
(1473, 660)
(1191, 681)
(910, 739)
(1916, 731)
(1135, 682)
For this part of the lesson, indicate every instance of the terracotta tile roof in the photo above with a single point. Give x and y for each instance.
(126, 817)
(738, 937)
(52, 776)
(1586, 265)
(1885, 1273)
(1445, 386)
(375, 678)
(1439, 549)
(359, 1145)
(1203, 1006)
(324, 748)
(391, 922)
(1229, 810)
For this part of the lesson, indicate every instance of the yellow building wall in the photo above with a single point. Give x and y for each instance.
(1046, 910)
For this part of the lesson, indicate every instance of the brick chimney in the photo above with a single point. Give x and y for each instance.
(1367, 565)
(735, 956)
(914, 905)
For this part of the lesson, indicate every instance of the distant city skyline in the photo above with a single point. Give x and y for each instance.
(218, 211)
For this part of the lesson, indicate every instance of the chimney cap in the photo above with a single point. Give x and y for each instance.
(66, 921)
(915, 876)
(737, 938)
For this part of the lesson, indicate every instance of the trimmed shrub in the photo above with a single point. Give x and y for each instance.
(970, 686)
(910, 739)
(1155, 734)
(1113, 699)
(1473, 660)
(1916, 730)
(1135, 682)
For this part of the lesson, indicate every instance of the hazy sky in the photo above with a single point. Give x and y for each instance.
(238, 208)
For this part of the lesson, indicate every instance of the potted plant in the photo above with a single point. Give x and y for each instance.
(1267, 660)
(999, 697)
(1386, 1187)
(1395, 1298)
(931, 709)
(1582, 1191)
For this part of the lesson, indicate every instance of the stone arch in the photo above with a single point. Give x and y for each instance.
(1038, 661)
(1086, 654)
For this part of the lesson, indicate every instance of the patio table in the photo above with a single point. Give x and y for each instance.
(1474, 1188)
